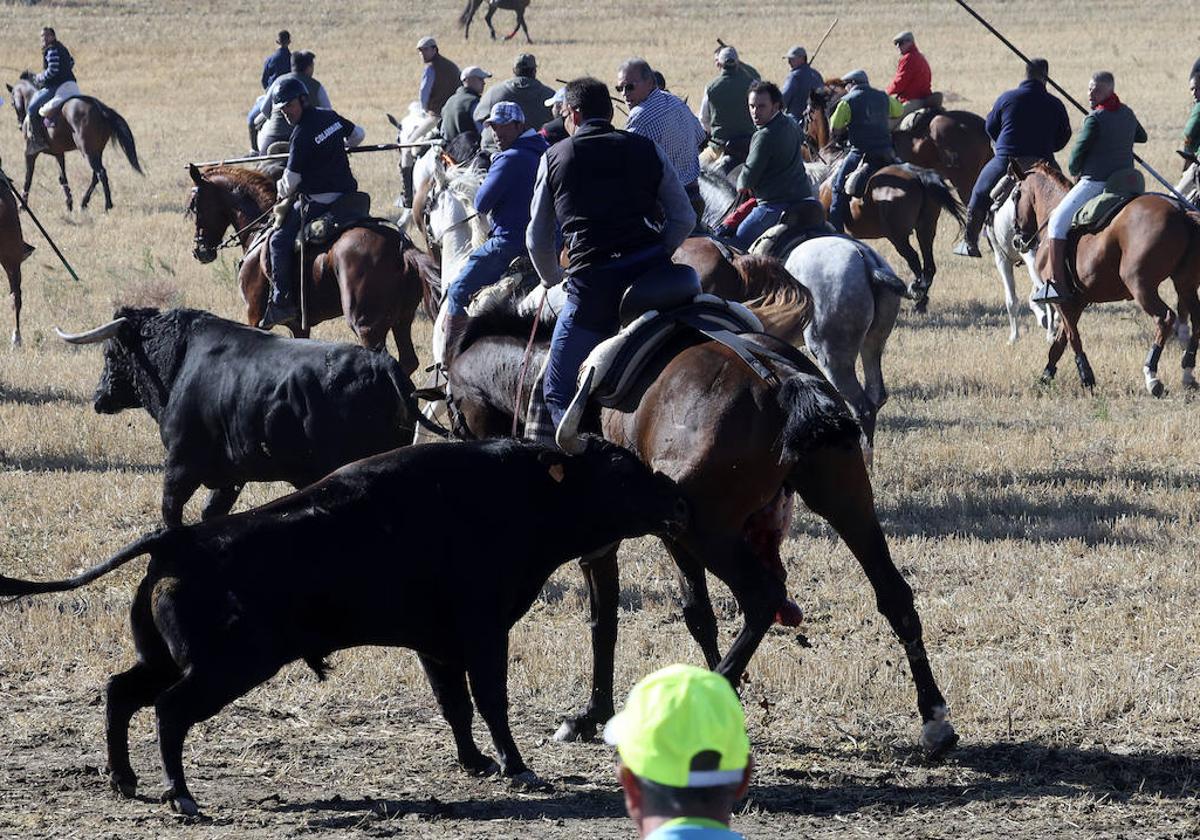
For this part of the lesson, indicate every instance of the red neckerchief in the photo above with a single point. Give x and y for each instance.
(1110, 104)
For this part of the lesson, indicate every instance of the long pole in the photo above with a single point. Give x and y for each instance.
(812, 57)
(1073, 101)
(26, 208)
(380, 147)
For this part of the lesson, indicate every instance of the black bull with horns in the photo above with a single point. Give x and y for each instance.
(234, 404)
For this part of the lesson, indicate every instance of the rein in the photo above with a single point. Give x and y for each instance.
(235, 238)
(537, 320)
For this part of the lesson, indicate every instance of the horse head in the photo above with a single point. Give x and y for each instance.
(213, 210)
(20, 97)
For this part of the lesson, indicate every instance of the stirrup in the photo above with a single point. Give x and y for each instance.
(1048, 292)
(967, 249)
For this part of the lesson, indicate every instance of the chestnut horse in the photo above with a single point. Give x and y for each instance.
(518, 6)
(13, 250)
(899, 200)
(1150, 239)
(374, 276)
(83, 123)
(954, 144)
(739, 448)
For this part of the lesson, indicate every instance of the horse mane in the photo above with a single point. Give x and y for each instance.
(768, 285)
(1050, 172)
(249, 182)
(496, 314)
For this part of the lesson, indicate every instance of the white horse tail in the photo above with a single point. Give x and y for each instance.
(881, 274)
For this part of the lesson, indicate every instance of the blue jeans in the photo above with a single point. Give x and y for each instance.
(590, 315)
(39, 99)
(839, 207)
(283, 244)
(756, 223)
(485, 266)
(989, 176)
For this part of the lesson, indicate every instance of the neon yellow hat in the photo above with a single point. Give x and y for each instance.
(682, 727)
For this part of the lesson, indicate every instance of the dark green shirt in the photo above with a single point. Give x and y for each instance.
(1191, 131)
(1105, 143)
(774, 169)
(729, 113)
(458, 113)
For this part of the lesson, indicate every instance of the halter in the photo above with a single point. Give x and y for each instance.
(233, 238)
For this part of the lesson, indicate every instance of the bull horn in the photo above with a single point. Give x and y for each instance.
(92, 336)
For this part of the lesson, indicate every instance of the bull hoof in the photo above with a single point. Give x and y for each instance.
(789, 614)
(480, 766)
(183, 805)
(922, 305)
(937, 736)
(580, 727)
(124, 786)
(527, 780)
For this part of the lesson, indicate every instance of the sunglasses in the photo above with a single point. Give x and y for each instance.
(625, 87)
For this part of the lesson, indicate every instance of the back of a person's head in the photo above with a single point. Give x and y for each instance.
(284, 38)
(302, 60)
(588, 96)
(1038, 69)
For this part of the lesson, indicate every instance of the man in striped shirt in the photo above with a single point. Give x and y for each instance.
(665, 119)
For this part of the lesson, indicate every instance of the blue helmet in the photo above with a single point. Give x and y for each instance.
(287, 90)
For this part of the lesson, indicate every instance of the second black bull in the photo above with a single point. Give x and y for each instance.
(234, 404)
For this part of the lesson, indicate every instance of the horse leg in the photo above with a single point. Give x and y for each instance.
(1071, 313)
(1189, 311)
(920, 287)
(602, 577)
(1005, 267)
(14, 297)
(87, 194)
(838, 367)
(834, 485)
(488, 19)
(887, 307)
(521, 23)
(697, 607)
(30, 162)
(62, 181)
(1147, 297)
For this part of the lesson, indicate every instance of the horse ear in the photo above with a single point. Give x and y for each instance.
(1015, 170)
(395, 123)
(7, 85)
(197, 178)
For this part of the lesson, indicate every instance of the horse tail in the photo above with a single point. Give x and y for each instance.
(124, 135)
(431, 279)
(468, 12)
(941, 192)
(815, 416)
(15, 587)
(879, 274)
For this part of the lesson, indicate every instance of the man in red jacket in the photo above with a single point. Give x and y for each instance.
(913, 82)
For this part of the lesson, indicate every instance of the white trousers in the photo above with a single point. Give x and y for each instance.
(1080, 194)
(65, 91)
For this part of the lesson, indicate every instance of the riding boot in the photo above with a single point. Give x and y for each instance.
(280, 307)
(36, 137)
(969, 245)
(253, 139)
(406, 175)
(452, 335)
(1057, 288)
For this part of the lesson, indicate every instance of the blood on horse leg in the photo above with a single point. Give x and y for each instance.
(764, 532)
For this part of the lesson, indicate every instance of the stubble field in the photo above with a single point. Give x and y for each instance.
(1049, 534)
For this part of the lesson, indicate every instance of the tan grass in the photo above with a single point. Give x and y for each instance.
(1050, 535)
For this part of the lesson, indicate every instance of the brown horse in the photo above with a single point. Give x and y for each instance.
(899, 200)
(955, 144)
(739, 449)
(85, 124)
(1150, 239)
(518, 6)
(13, 250)
(372, 275)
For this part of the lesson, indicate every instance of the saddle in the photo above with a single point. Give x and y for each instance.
(664, 306)
(856, 183)
(924, 110)
(799, 223)
(1121, 188)
(351, 210)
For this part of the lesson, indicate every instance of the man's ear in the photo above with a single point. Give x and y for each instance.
(632, 789)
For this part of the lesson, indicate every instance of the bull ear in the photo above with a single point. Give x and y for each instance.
(555, 464)
(197, 178)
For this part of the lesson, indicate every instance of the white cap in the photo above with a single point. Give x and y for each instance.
(474, 72)
(560, 95)
(427, 41)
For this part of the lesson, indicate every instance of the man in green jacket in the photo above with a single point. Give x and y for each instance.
(774, 172)
(1191, 131)
(1103, 147)
(458, 114)
(723, 110)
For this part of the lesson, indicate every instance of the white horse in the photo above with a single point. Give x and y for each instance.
(1001, 233)
(414, 126)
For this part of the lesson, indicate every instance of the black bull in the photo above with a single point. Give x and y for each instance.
(391, 550)
(234, 404)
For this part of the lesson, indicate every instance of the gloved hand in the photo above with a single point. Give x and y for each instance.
(280, 211)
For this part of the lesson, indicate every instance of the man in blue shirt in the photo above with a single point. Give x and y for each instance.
(505, 194)
(684, 754)
(802, 80)
(1026, 122)
(276, 64)
(318, 171)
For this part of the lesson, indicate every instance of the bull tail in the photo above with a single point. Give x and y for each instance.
(405, 389)
(14, 588)
(816, 416)
(124, 135)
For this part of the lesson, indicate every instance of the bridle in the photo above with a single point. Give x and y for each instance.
(200, 241)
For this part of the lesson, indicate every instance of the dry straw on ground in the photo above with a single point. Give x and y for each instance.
(1050, 535)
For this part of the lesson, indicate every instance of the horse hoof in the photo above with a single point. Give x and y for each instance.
(185, 806)
(124, 786)
(937, 738)
(480, 766)
(16, 338)
(789, 614)
(1157, 389)
(581, 727)
(921, 306)
(527, 780)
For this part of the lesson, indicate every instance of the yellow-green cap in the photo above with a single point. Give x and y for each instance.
(682, 727)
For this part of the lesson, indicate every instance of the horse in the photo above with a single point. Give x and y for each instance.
(372, 275)
(84, 123)
(955, 144)
(1001, 231)
(853, 309)
(739, 448)
(1150, 239)
(13, 251)
(518, 6)
(899, 200)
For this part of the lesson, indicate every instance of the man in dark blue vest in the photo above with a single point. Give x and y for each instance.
(863, 113)
(1025, 122)
(317, 173)
(605, 188)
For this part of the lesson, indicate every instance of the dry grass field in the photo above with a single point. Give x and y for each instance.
(1050, 535)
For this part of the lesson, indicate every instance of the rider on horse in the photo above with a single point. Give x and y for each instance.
(317, 172)
(802, 80)
(723, 110)
(273, 128)
(864, 113)
(57, 83)
(774, 171)
(458, 114)
(1191, 131)
(913, 82)
(1103, 148)
(274, 66)
(505, 193)
(1026, 122)
(603, 186)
